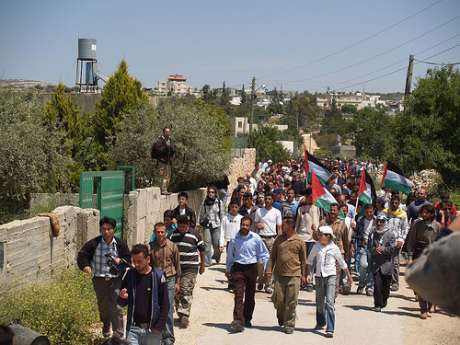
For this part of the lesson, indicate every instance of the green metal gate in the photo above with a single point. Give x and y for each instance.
(109, 188)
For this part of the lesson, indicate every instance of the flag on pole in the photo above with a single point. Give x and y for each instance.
(313, 165)
(394, 179)
(366, 190)
(321, 196)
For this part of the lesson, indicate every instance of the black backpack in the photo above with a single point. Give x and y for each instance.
(157, 150)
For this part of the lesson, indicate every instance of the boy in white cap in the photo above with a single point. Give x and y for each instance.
(325, 255)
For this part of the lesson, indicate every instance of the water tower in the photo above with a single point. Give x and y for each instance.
(86, 75)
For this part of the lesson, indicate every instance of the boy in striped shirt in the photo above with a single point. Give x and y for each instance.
(192, 260)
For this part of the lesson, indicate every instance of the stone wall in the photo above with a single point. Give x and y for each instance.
(145, 207)
(241, 165)
(31, 254)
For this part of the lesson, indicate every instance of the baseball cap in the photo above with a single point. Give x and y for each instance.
(326, 230)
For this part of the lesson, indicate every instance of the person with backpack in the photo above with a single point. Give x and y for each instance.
(211, 215)
(164, 151)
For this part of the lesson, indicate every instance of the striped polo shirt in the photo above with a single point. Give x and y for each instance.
(189, 244)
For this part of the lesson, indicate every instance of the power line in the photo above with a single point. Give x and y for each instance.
(438, 63)
(396, 62)
(397, 70)
(366, 38)
(437, 27)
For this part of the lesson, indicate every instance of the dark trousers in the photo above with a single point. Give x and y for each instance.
(244, 279)
(110, 312)
(382, 284)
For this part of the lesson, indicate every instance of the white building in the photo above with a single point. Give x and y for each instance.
(175, 85)
(241, 126)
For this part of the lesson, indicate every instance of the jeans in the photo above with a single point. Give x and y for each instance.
(140, 336)
(211, 240)
(365, 274)
(395, 275)
(325, 299)
(168, 331)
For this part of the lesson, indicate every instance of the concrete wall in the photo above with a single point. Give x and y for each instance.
(145, 207)
(31, 254)
(240, 166)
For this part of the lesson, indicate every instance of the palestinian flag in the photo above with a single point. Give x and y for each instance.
(366, 190)
(313, 165)
(321, 196)
(394, 179)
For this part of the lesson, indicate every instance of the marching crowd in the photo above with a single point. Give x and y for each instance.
(276, 240)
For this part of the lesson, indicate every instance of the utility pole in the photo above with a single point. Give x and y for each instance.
(251, 110)
(409, 75)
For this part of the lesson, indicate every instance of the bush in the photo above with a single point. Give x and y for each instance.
(202, 137)
(264, 141)
(64, 310)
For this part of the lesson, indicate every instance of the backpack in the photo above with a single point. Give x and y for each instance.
(157, 150)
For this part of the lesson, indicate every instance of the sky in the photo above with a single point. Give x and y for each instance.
(293, 45)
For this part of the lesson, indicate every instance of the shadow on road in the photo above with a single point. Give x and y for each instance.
(211, 288)
(398, 295)
(226, 326)
(389, 312)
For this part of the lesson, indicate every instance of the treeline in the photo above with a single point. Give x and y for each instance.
(44, 148)
(426, 135)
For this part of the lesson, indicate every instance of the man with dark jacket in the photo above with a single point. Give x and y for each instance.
(164, 150)
(183, 209)
(93, 258)
(382, 245)
(144, 291)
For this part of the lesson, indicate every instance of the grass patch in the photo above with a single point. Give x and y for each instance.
(64, 309)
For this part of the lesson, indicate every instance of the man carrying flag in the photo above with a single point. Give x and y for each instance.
(394, 179)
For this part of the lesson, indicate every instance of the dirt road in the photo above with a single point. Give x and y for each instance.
(356, 324)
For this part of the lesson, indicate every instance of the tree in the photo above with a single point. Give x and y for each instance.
(264, 141)
(427, 133)
(243, 95)
(302, 111)
(373, 135)
(201, 132)
(225, 96)
(349, 109)
(121, 94)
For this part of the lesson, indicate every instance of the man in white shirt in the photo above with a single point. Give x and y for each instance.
(230, 224)
(268, 225)
(325, 255)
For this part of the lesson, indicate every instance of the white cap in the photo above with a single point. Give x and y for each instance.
(326, 230)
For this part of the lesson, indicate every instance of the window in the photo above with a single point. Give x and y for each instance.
(240, 124)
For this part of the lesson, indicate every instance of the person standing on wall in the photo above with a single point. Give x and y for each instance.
(164, 151)
(145, 292)
(93, 258)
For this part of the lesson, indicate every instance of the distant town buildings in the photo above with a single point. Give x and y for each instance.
(241, 126)
(359, 100)
(175, 85)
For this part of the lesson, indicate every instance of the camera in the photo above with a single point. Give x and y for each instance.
(205, 222)
(114, 268)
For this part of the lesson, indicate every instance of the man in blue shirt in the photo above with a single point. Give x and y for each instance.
(244, 252)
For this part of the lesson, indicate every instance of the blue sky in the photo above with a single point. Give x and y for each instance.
(280, 42)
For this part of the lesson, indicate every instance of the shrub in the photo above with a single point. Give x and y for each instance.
(64, 309)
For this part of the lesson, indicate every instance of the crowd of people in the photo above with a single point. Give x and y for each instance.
(275, 239)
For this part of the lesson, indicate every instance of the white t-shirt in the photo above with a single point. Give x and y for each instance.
(270, 218)
(229, 228)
